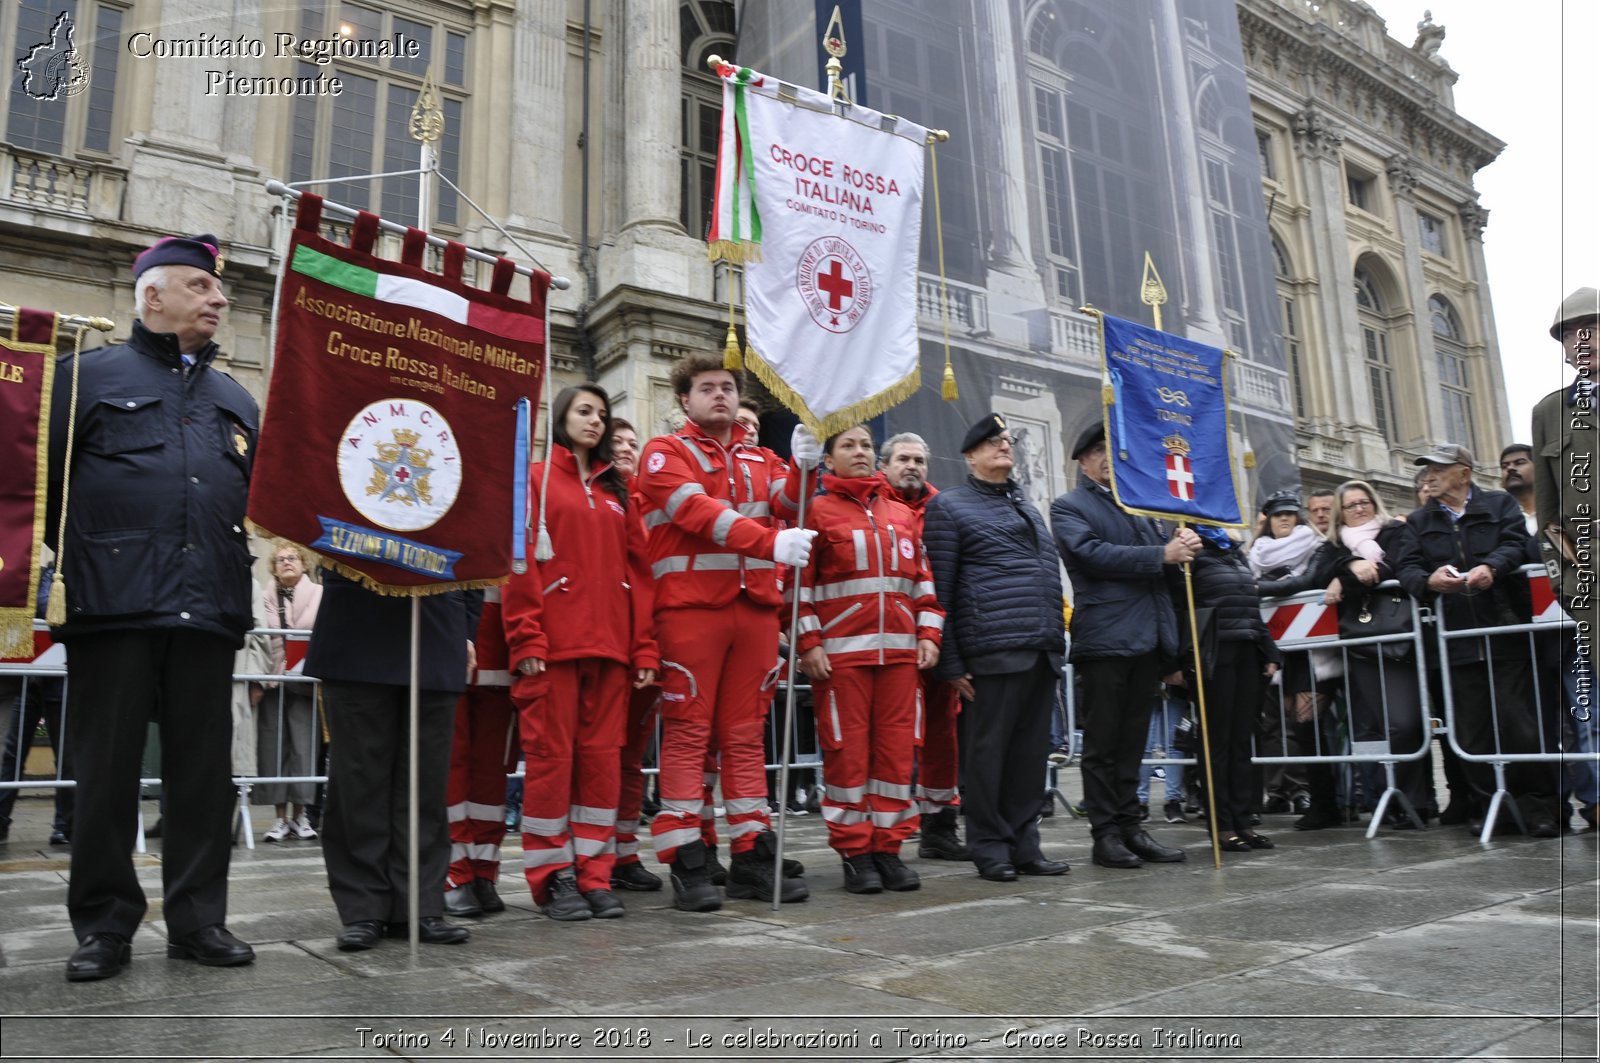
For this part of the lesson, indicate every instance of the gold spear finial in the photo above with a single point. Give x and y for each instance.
(427, 116)
(833, 44)
(1152, 292)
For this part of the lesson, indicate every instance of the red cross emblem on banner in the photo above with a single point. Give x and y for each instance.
(1180, 479)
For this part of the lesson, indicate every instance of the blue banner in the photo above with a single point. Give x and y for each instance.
(369, 544)
(1167, 425)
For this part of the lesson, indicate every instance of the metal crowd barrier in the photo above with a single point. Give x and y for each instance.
(1550, 621)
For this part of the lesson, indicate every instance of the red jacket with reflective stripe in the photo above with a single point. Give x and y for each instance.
(867, 595)
(711, 512)
(918, 506)
(592, 599)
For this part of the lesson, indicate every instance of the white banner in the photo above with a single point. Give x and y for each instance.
(831, 300)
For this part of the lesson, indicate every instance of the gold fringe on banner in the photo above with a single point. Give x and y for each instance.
(736, 252)
(16, 624)
(839, 420)
(423, 591)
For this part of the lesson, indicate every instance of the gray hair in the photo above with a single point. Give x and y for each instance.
(887, 450)
(157, 277)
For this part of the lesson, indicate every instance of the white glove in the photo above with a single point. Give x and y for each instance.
(793, 546)
(804, 448)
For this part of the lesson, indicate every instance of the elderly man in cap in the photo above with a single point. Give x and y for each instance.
(1566, 504)
(1473, 544)
(996, 575)
(1125, 637)
(157, 583)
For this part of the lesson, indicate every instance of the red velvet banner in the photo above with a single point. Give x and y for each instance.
(387, 443)
(27, 368)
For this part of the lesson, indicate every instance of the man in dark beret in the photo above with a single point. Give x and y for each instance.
(1124, 633)
(996, 575)
(156, 572)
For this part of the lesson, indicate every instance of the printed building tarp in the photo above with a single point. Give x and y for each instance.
(388, 441)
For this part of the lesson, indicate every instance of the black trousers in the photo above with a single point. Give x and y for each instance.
(1118, 695)
(1235, 687)
(1503, 694)
(1377, 682)
(1005, 738)
(365, 843)
(117, 683)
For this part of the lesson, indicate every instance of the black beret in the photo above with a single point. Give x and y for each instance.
(1095, 433)
(201, 252)
(991, 425)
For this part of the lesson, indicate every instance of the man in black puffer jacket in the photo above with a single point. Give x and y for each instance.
(1124, 637)
(997, 577)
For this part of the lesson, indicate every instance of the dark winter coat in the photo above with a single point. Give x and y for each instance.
(1227, 604)
(161, 463)
(995, 572)
(1120, 606)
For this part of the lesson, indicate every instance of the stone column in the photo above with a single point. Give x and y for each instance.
(651, 102)
(1474, 218)
(1403, 186)
(533, 143)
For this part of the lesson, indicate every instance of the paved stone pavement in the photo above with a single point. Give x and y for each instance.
(1415, 946)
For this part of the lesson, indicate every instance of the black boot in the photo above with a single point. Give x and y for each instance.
(939, 838)
(692, 888)
(750, 875)
(1324, 811)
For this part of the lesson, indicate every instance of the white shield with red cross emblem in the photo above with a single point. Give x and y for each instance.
(1180, 478)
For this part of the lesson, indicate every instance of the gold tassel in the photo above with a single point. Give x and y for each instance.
(950, 393)
(731, 359)
(55, 610)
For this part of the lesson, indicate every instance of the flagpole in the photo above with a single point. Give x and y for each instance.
(788, 706)
(427, 126)
(1153, 294)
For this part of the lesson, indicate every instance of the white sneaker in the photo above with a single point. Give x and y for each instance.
(278, 831)
(301, 828)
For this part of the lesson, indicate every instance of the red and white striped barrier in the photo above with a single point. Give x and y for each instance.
(1301, 622)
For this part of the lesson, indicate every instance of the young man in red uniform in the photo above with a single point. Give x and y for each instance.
(708, 493)
(904, 461)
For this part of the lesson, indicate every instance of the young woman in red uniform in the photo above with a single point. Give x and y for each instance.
(578, 632)
(868, 621)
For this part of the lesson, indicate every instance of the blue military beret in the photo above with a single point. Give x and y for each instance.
(201, 252)
(991, 425)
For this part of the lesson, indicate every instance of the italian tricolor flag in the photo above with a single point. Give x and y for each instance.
(415, 295)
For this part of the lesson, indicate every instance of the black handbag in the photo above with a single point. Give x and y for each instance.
(1380, 612)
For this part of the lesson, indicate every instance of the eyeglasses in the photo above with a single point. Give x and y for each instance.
(287, 559)
(1351, 507)
(1001, 441)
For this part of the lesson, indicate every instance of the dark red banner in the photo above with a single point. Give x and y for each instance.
(388, 442)
(27, 367)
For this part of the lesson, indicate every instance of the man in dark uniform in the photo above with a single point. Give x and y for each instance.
(157, 582)
(997, 577)
(1124, 637)
(360, 649)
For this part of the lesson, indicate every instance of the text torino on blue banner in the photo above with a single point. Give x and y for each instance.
(1166, 409)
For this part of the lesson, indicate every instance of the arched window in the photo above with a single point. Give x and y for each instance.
(705, 28)
(1378, 353)
(1208, 109)
(1455, 380)
(1291, 325)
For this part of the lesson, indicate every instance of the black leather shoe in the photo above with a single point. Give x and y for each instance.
(211, 946)
(59, 837)
(360, 936)
(1042, 867)
(1543, 827)
(462, 902)
(488, 897)
(1256, 841)
(1111, 851)
(1001, 872)
(896, 876)
(99, 956)
(605, 905)
(1151, 851)
(432, 930)
(1233, 843)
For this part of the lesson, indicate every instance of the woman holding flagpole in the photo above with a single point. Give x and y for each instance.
(868, 621)
(578, 631)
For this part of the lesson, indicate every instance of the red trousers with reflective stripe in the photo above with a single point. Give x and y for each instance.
(937, 770)
(642, 716)
(711, 701)
(482, 753)
(869, 721)
(573, 719)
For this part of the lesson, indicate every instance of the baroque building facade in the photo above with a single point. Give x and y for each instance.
(1346, 273)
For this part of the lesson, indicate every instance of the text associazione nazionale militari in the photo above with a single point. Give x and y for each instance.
(319, 51)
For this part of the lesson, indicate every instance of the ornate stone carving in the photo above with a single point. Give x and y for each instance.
(1474, 217)
(1315, 134)
(1402, 176)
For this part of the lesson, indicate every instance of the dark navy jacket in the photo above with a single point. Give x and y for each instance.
(995, 572)
(1120, 606)
(363, 637)
(160, 476)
